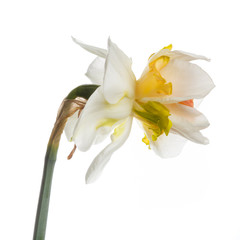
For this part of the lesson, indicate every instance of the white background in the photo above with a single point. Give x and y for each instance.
(139, 196)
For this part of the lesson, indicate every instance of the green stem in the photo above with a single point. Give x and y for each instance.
(69, 106)
(44, 197)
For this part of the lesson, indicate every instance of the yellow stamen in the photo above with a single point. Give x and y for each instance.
(146, 141)
(154, 116)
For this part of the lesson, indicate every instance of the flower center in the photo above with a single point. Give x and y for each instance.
(152, 114)
(151, 83)
(154, 117)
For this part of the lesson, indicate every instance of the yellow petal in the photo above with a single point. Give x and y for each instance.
(169, 47)
(152, 84)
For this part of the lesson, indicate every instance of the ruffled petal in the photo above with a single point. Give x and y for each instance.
(186, 56)
(187, 122)
(99, 118)
(118, 139)
(168, 146)
(95, 71)
(95, 50)
(188, 80)
(119, 80)
(162, 52)
(177, 54)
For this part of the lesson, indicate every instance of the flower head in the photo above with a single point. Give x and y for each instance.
(162, 99)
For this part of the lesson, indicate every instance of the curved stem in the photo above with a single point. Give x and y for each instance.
(50, 159)
(44, 197)
(75, 101)
(67, 108)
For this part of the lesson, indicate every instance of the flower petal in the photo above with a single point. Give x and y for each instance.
(190, 114)
(168, 146)
(177, 54)
(186, 56)
(70, 125)
(95, 50)
(104, 156)
(162, 52)
(188, 122)
(166, 99)
(95, 71)
(188, 80)
(98, 118)
(119, 80)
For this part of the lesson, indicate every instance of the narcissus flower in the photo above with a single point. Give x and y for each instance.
(162, 100)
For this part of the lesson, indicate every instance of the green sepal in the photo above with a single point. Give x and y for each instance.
(84, 91)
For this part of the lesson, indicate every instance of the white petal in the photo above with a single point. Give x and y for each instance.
(188, 122)
(70, 125)
(95, 71)
(186, 56)
(166, 99)
(177, 54)
(162, 52)
(119, 80)
(104, 156)
(168, 146)
(188, 80)
(103, 133)
(95, 50)
(96, 111)
(189, 114)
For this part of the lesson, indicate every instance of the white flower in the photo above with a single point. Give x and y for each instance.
(162, 100)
